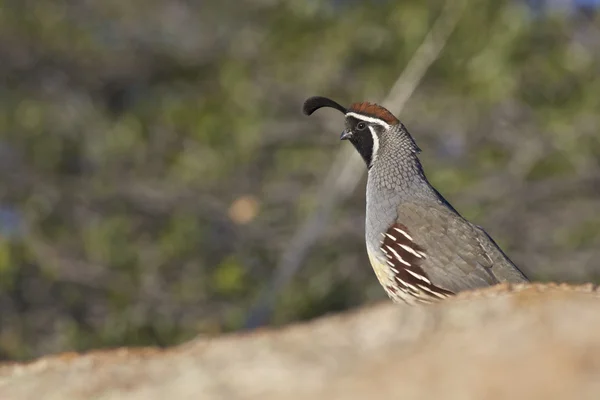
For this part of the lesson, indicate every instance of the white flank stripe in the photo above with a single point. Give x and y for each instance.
(398, 256)
(425, 288)
(413, 287)
(437, 294)
(410, 250)
(418, 276)
(390, 236)
(369, 119)
(401, 282)
(406, 235)
(440, 295)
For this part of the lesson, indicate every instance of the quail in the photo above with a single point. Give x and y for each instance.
(421, 249)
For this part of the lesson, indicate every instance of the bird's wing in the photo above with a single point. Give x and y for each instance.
(445, 249)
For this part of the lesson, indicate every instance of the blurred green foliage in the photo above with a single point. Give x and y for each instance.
(129, 129)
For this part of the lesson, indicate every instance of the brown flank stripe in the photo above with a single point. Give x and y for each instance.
(404, 258)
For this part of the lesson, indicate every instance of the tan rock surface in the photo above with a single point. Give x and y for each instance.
(537, 342)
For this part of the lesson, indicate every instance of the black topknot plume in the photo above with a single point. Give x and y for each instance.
(312, 104)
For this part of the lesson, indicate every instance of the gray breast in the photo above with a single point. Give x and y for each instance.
(381, 213)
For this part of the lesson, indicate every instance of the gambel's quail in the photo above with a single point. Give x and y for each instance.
(419, 246)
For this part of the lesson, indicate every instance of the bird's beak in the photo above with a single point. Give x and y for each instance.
(345, 135)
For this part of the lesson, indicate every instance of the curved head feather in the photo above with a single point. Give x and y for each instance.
(312, 104)
(365, 109)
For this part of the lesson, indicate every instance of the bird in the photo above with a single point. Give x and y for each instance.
(421, 249)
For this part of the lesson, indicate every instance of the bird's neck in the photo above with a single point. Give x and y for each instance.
(398, 169)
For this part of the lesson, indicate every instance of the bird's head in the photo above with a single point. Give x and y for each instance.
(369, 127)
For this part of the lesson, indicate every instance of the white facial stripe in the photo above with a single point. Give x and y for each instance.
(369, 119)
(375, 146)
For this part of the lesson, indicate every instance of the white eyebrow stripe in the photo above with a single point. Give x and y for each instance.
(369, 119)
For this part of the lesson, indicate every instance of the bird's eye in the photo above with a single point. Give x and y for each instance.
(361, 126)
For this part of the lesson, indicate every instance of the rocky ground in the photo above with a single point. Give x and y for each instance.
(533, 342)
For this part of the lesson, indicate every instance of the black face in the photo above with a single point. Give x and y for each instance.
(364, 136)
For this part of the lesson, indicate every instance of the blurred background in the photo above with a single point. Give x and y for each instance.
(159, 181)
